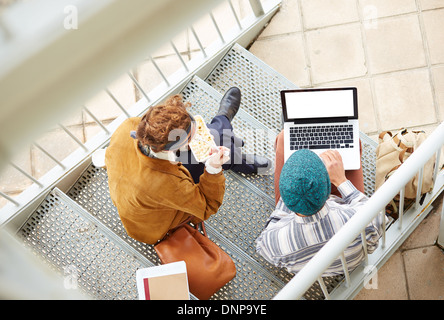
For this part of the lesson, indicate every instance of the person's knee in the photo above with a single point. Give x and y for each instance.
(279, 140)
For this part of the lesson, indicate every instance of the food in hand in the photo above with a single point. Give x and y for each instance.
(202, 141)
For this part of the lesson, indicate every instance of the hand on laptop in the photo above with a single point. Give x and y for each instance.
(335, 168)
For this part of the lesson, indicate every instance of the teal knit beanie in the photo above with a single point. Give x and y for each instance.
(304, 183)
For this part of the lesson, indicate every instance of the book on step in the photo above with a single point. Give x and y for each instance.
(164, 282)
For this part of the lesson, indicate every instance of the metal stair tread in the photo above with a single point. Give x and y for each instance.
(73, 241)
(260, 85)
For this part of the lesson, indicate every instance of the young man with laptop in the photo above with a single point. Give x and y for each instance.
(311, 163)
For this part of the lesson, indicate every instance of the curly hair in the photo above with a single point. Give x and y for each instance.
(158, 121)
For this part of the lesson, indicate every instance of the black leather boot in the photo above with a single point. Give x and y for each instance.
(229, 105)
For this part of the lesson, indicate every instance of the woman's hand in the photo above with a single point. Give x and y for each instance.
(335, 168)
(219, 156)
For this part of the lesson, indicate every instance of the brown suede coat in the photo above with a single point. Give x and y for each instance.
(153, 195)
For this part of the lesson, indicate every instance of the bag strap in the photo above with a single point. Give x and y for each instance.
(401, 159)
(203, 229)
(394, 140)
(187, 220)
(202, 226)
(391, 171)
(383, 133)
(399, 143)
(402, 142)
(402, 154)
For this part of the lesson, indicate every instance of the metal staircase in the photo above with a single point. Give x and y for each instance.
(80, 230)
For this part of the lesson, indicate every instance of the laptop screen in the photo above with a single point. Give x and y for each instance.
(318, 104)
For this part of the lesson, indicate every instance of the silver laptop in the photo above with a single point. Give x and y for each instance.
(322, 119)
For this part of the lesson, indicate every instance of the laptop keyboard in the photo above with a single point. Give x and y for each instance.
(321, 137)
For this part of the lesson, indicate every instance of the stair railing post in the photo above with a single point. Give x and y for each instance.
(256, 5)
(441, 229)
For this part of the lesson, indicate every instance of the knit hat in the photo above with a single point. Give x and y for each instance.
(304, 183)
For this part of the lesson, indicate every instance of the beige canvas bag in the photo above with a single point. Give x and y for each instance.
(391, 153)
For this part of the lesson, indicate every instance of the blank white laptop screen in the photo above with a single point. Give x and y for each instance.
(319, 104)
(327, 107)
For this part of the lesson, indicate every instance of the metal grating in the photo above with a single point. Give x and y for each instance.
(368, 160)
(72, 242)
(92, 193)
(241, 219)
(260, 85)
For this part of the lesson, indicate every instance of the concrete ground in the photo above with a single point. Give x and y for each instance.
(392, 51)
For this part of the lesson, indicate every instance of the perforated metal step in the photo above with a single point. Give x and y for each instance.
(77, 245)
(260, 85)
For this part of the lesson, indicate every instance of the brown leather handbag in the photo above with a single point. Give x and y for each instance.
(209, 268)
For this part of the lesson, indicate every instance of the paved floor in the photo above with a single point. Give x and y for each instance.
(393, 52)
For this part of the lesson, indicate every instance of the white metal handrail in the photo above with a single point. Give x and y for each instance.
(334, 248)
